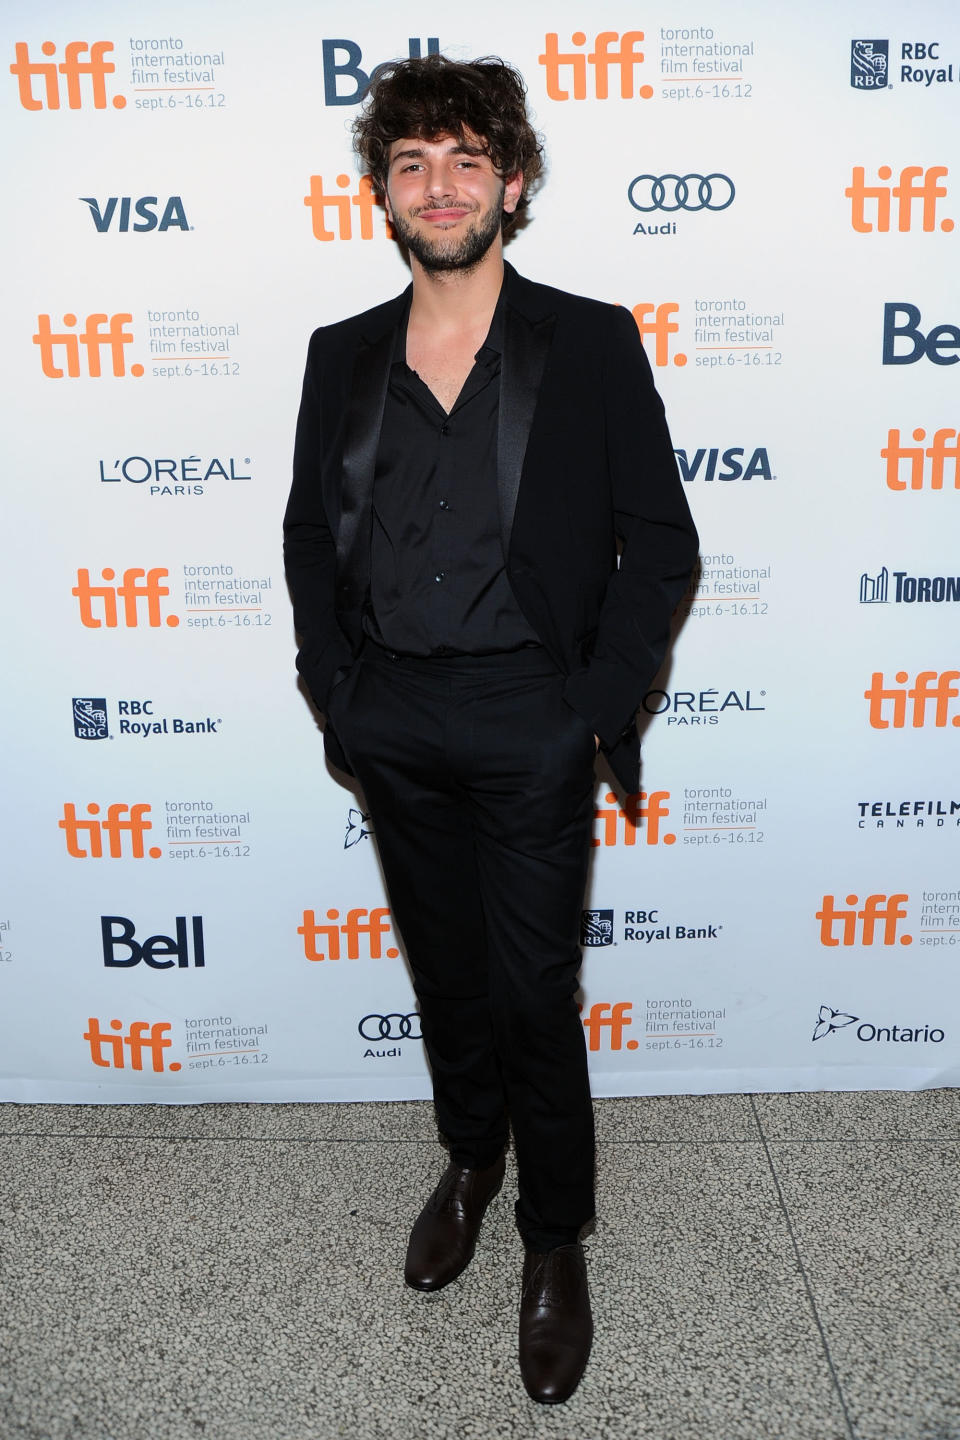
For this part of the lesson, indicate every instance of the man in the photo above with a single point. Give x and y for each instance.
(467, 455)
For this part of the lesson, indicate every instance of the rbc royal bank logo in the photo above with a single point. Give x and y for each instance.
(90, 717)
(869, 64)
(596, 928)
(610, 51)
(84, 69)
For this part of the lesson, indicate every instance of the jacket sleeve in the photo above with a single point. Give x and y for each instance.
(659, 540)
(309, 548)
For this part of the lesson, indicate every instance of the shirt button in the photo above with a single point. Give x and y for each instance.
(444, 429)
(444, 505)
(440, 575)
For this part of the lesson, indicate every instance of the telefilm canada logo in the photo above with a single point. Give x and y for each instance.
(830, 1021)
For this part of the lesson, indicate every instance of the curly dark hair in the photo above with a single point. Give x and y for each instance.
(430, 96)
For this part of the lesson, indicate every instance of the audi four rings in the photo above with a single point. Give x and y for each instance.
(681, 188)
(386, 1030)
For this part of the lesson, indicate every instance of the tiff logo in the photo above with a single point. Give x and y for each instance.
(611, 50)
(929, 191)
(619, 823)
(373, 925)
(938, 454)
(930, 685)
(131, 592)
(95, 69)
(92, 337)
(661, 327)
(141, 1039)
(612, 1018)
(879, 912)
(364, 201)
(122, 820)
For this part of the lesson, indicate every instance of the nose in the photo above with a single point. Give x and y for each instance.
(439, 184)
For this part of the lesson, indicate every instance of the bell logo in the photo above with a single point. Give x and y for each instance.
(612, 1018)
(880, 913)
(945, 447)
(363, 200)
(888, 703)
(610, 49)
(940, 346)
(348, 67)
(122, 820)
(661, 327)
(142, 1038)
(373, 925)
(928, 191)
(137, 585)
(636, 808)
(99, 329)
(75, 70)
(158, 952)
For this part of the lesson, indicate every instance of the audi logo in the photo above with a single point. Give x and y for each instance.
(681, 192)
(382, 1027)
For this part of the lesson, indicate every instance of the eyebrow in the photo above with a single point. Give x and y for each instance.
(417, 152)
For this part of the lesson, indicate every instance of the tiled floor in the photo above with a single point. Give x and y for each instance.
(777, 1267)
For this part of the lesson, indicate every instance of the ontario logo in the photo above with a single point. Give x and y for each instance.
(358, 828)
(830, 1021)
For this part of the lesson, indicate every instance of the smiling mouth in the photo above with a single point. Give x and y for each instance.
(437, 216)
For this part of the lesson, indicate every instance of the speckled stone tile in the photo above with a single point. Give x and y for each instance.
(368, 1120)
(861, 1115)
(662, 1117)
(878, 1229)
(676, 1117)
(246, 1290)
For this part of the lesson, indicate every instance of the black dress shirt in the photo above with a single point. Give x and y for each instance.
(438, 581)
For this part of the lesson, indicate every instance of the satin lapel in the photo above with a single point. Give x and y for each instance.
(526, 345)
(368, 392)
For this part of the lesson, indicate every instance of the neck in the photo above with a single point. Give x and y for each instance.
(457, 299)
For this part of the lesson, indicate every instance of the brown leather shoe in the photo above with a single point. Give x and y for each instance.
(556, 1327)
(445, 1232)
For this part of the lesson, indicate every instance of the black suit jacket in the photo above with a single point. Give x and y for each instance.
(583, 457)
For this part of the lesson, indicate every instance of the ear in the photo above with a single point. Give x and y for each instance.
(513, 189)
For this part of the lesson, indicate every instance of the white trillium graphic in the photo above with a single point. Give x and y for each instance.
(830, 1020)
(357, 823)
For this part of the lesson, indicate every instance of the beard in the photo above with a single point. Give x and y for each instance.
(461, 253)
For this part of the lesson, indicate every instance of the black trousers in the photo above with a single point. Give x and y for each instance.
(479, 781)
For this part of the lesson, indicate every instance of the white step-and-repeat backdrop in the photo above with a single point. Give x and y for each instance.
(192, 907)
